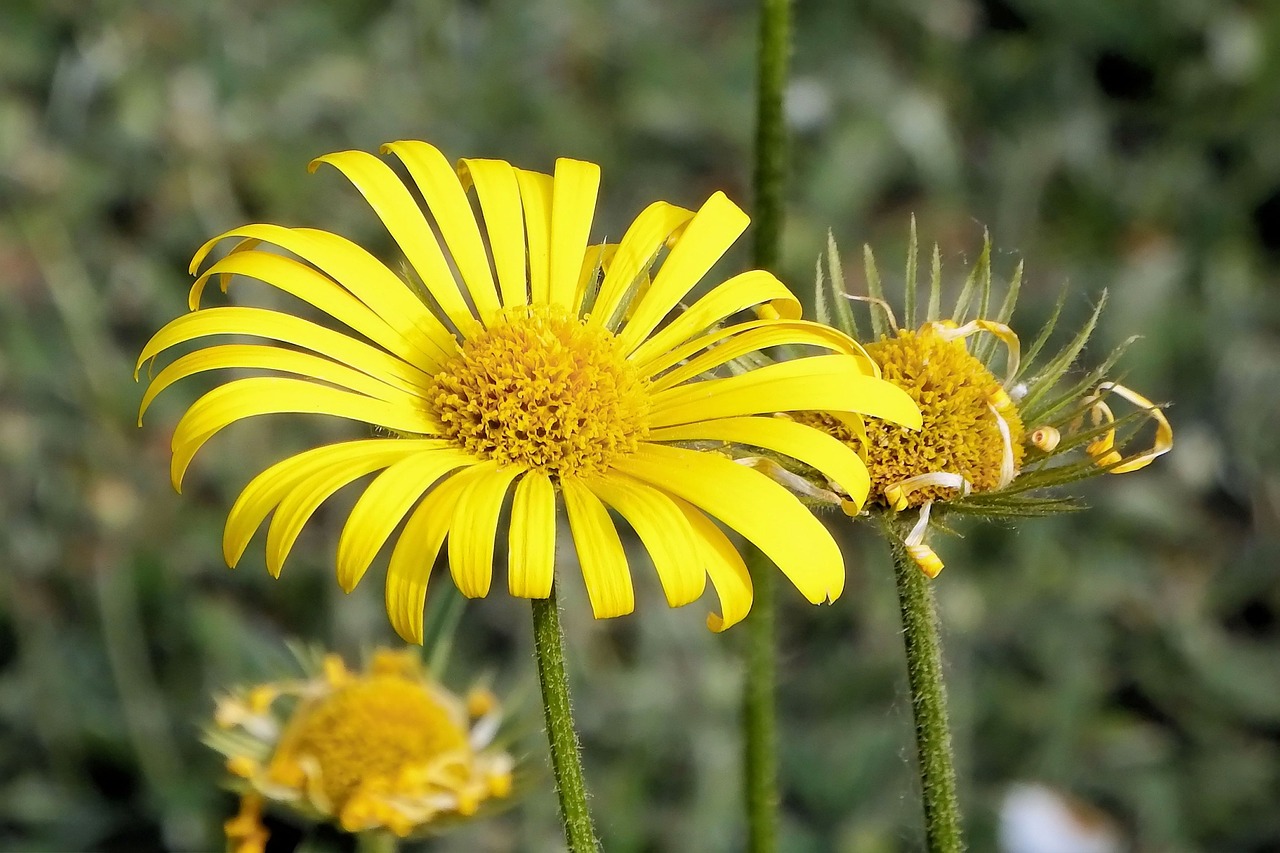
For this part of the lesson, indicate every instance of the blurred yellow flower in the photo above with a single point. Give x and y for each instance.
(385, 749)
(524, 366)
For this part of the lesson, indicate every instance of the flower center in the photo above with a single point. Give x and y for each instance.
(961, 433)
(543, 389)
(372, 732)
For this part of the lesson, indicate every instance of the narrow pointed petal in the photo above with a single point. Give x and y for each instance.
(475, 526)
(725, 567)
(499, 194)
(753, 505)
(737, 294)
(438, 182)
(245, 398)
(286, 328)
(639, 246)
(383, 506)
(664, 530)
(573, 206)
(820, 383)
(836, 461)
(710, 233)
(600, 551)
(723, 345)
(315, 288)
(532, 543)
(535, 198)
(415, 552)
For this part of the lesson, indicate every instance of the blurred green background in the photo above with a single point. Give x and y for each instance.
(1128, 656)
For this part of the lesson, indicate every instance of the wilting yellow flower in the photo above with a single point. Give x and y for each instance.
(385, 749)
(545, 369)
(974, 452)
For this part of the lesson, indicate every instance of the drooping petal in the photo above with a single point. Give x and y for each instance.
(288, 329)
(314, 287)
(820, 383)
(259, 357)
(753, 505)
(301, 502)
(835, 460)
(737, 294)
(573, 206)
(438, 182)
(724, 345)
(475, 526)
(725, 567)
(532, 539)
(499, 194)
(245, 398)
(268, 488)
(710, 233)
(535, 198)
(600, 552)
(383, 505)
(363, 275)
(664, 530)
(415, 553)
(646, 235)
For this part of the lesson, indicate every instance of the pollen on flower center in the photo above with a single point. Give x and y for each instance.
(543, 389)
(371, 733)
(961, 434)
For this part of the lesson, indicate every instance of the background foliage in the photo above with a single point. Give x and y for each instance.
(1126, 655)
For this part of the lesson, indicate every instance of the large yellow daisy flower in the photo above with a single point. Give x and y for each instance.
(528, 367)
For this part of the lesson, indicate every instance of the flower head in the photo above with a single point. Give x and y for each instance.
(524, 367)
(387, 748)
(994, 422)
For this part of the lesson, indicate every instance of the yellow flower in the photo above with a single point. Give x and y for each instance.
(385, 749)
(974, 452)
(544, 371)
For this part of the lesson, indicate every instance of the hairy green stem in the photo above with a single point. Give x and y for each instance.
(566, 758)
(760, 761)
(759, 714)
(376, 841)
(928, 705)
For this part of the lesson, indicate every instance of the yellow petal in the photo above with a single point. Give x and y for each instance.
(245, 398)
(663, 529)
(288, 329)
(475, 526)
(600, 552)
(710, 233)
(301, 501)
(635, 253)
(753, 505)
(383, 505)
(573, 206)
(535, 197)
(818, 383)
(725, 567)
(415, 553)
(737, 294)
(1164, 431)
(745, 338)
(363, 275)
(532, 543)
(268, 488)
(724, 345)
(836, 461)
(499, 194)
(258, 357)
(311, 286)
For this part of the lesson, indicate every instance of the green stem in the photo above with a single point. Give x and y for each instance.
(760, 761)
(376, 841)
(928, 704)
(759, 714)
(566, 759)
